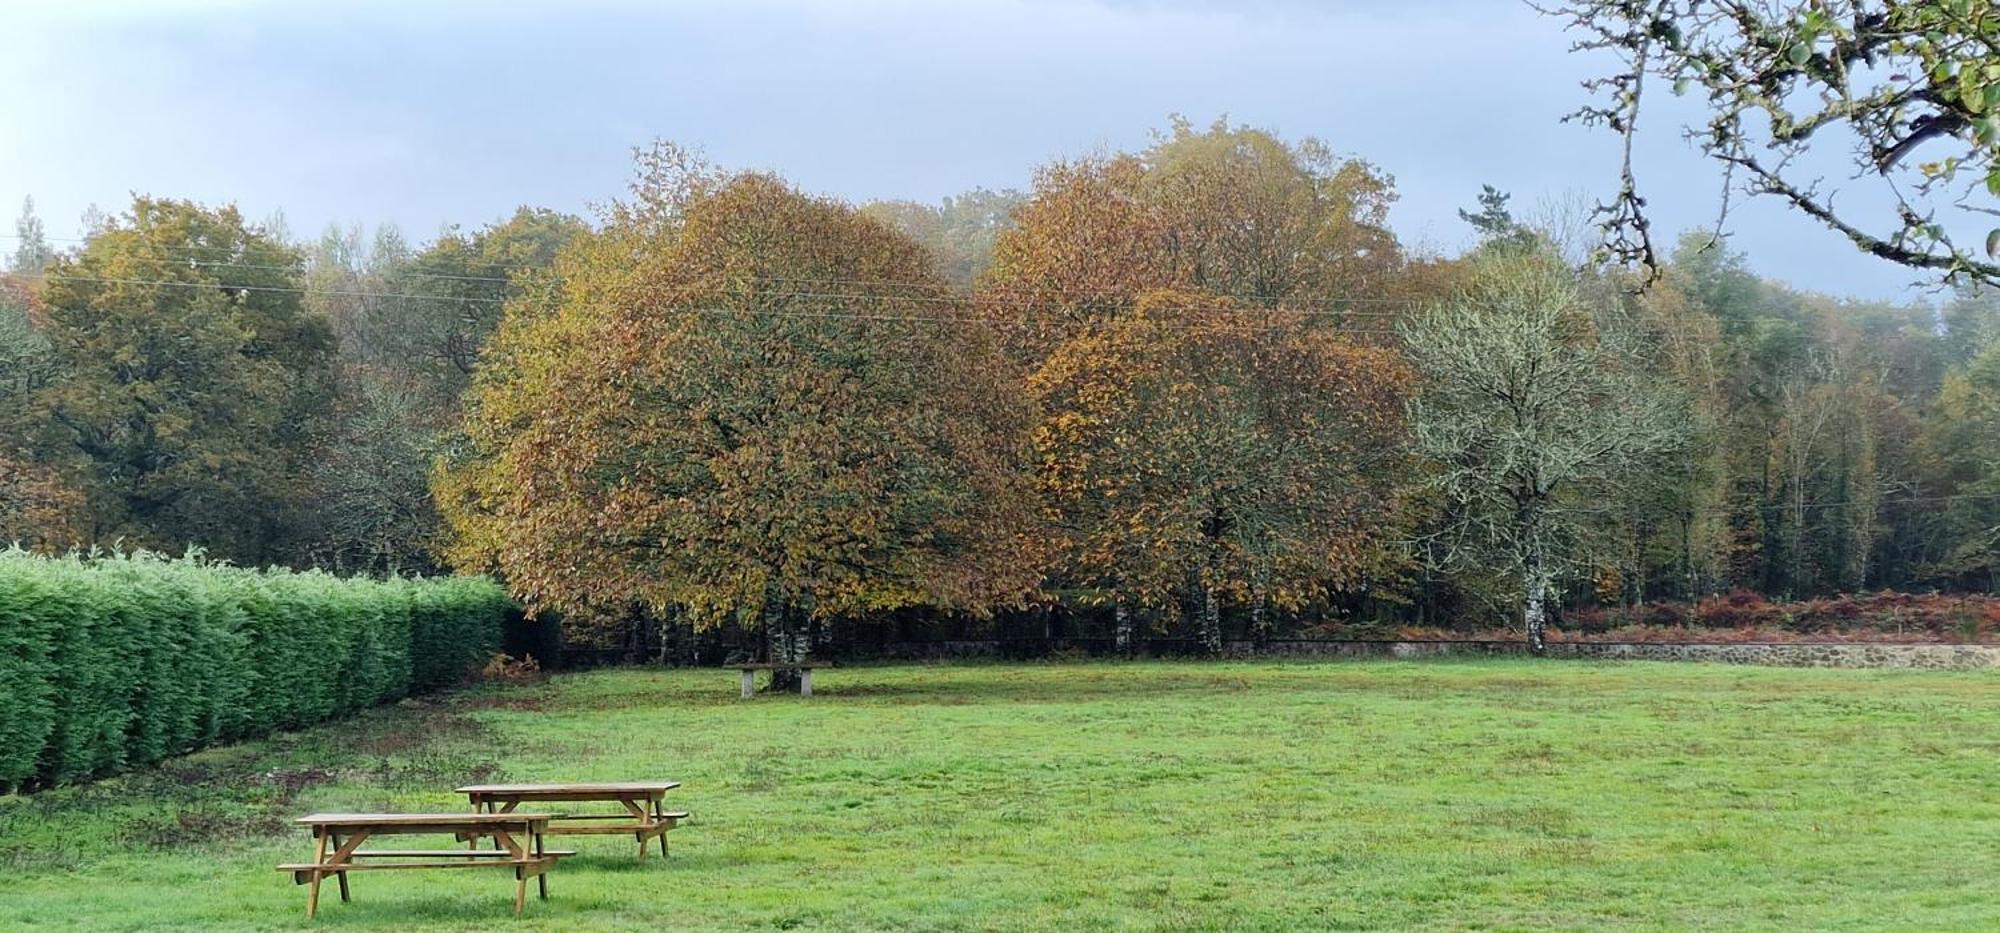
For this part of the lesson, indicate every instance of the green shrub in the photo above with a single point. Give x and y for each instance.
(113, 661)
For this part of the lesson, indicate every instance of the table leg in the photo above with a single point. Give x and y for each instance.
(344, 898)
(343, 854)
(542, 852)
(639, 817)
(657, 818)
(471, 838)
(520, 853)
(749, 684)
(312, 886)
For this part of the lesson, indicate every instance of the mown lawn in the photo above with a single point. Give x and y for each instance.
(1464, 794)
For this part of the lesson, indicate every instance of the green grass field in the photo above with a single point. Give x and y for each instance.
(1455, 795)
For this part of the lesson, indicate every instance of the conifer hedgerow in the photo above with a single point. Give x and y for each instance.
(109, 662)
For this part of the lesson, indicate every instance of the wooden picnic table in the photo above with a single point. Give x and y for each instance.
(643, 807)
(518, 844)
(750, 669)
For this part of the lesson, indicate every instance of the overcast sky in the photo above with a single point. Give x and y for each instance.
(427, 113)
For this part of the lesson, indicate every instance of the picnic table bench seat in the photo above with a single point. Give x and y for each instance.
(643, 814)
(447, 853)
(518, 844)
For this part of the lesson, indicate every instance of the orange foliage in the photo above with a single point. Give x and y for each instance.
(1231, 212)
(37, 509)
(1203, 423)
(1189, 444)
(727, 408)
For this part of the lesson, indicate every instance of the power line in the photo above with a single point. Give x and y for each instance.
(833, 296)
(941, 319)
(1103, 292)
(227, 287)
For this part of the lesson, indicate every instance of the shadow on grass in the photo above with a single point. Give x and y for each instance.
(975, 684)
(694, 859)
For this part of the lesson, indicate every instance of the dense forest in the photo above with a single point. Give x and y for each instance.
(1198, 388)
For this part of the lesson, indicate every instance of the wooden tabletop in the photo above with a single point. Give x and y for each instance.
(420, 819)
(621, 787)
(772, 666)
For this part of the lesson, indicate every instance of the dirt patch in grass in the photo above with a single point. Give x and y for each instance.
(207, 826)
(503, 701)
(291, 781)
(407, 729)
(432, 771)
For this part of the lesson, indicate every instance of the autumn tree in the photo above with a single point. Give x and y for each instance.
(1666, 533)
(446, 299)
(189, 378)
(1817, 407)
(1770, 364)
(411, 325)
(677, 424)
(1662, 530)
(1528, 402)
(350, 281)
(38, 510)
(1959, 444)
(1164, 304)
(1235, 212)
(27, 362)
(1193, 449)
(959, 231)
(1247, 214)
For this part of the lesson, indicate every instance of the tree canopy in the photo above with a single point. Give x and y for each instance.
(1234, 212)
(1190, 449)
(681, 425)
(1529, 396)
(1196, 390)
(188, 368)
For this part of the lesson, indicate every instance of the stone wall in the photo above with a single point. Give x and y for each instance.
(1930, 657)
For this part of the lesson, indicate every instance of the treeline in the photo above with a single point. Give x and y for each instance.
(1199, 387)
(186, 377)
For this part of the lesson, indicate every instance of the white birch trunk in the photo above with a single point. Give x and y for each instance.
(1534, 604)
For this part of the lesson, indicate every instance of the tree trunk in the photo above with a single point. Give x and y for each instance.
(1211, 622)
(1797, 545)
(1534, 569)
(1534, 603)
(1122, 627)
(1638, 592)
(663, 630)
(783, 643)
(1687, 556)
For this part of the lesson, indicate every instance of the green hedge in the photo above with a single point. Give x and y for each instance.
(111, 662)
